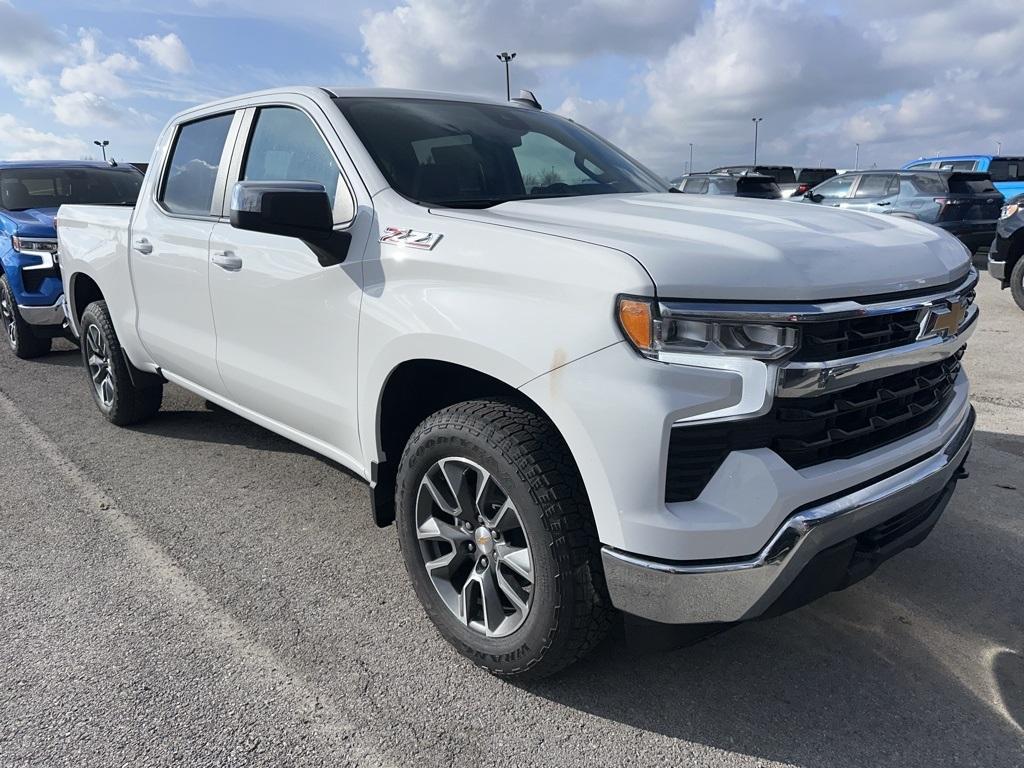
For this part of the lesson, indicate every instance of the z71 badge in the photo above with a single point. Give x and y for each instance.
(409, 238)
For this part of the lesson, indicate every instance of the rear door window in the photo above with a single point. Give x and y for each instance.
(192, 171)
(723, 186)
(874, 185)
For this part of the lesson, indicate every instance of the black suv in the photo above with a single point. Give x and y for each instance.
(964, 204)
(748, 185)
(1006, 257)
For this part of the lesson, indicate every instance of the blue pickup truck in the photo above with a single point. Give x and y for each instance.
(1007, 173)
(31, 294)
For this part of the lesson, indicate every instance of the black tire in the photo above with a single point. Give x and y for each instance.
(1017, 282)
(569, 612)
(20, 337)
(123, 403)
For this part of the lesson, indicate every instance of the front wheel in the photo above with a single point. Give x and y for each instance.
(19, 334)
(117, 396)
(1017, 282)
(499, 540)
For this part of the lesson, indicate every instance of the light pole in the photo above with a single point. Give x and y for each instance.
(691, 157)
(856, 161)
(506, 57)
(103, 146)
(999, 147)
(755, 121)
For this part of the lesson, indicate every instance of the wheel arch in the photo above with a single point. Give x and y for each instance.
(412, 391)
(83, 290)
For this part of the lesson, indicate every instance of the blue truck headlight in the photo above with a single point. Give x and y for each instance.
(34, 245)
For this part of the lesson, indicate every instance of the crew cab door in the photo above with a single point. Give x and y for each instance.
(170, 241)
(287, 327)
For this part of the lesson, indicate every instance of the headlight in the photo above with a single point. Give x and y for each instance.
(1009, 210)
(36, 245)
(656, 336)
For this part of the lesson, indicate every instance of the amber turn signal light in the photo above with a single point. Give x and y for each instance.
(635, 319)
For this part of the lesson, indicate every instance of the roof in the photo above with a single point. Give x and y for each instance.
(405, 93)
(57, 164)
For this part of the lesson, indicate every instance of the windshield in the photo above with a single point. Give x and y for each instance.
(464, 154)
(25, 188)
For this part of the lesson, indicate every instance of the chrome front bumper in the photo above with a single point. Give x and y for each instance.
(734, 590)
(49, 315)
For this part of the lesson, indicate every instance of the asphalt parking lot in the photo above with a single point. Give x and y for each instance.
(199, 591)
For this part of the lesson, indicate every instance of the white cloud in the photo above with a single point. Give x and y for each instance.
(451, 44)
(84, 108)
(24, 142)
(101, 74)
(168, 51)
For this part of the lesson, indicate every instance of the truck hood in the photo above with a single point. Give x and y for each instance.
(35, 222)
(734, 248)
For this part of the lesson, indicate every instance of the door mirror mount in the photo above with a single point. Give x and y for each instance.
(299, 209)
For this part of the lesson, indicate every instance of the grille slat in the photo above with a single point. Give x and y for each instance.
(809, 431)
(836, 339)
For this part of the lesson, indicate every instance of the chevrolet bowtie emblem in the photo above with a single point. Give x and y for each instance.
(943, 320)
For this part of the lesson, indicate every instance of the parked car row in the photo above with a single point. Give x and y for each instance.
(944, 193)
(574, 394)
(966, 204)
(792, 182)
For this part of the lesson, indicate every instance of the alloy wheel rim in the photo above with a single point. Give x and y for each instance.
(7, 317)
(98, 353)
(474, 547)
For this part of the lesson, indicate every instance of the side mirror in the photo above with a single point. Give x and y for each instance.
(299, 209)
(809, 195)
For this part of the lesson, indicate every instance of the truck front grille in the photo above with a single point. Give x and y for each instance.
(839, 339)
(806, 431)
(836, 339)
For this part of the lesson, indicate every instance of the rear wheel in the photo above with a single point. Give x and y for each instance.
(498, 539)
(113, 389)
(1017, 282)
(19, 334)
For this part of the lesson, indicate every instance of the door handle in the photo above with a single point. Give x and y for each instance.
(883, 203)
(227, 260)
(142, 245)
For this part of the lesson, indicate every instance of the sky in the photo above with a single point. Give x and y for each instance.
(903, 78)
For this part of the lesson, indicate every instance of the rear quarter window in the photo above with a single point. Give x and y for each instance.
(928, 185)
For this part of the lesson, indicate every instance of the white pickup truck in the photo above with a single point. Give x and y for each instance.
(576, 393)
